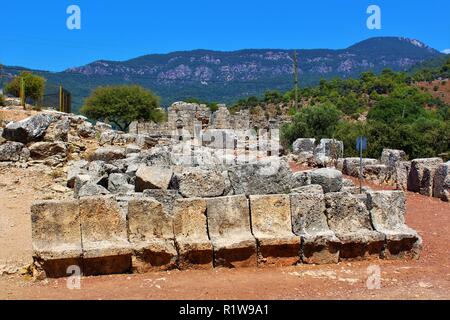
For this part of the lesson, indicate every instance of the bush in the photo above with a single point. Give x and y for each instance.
(34, 86)
(122, 105)
(2, 100)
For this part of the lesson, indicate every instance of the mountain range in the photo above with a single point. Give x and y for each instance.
(228, 76)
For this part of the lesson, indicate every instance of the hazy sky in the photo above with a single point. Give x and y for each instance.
(34, 33)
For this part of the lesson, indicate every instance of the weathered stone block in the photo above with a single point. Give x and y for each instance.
(108, 154)
(230, 232)
(350, 220)
(195, 250)
(42, 150)
(421, 175)
(166, 197)
(196, 182)
(106, 249)
(319, 244)
(329, 179)
(14, 151)
(56, 236)
(441, 185)
(387, 209)
(272, 228)
(153, 178)
(151, 235)
(29, 129)
(351, 166)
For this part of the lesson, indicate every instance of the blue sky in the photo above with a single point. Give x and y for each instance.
(34, 33)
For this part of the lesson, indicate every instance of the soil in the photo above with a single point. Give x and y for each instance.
(427, 278)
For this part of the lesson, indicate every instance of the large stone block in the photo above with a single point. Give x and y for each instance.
(166, 197)
(319, 244)
(391, 158)
(387, 209)
(29, 129)
(230, 232)
(153, 178)
(350, 220)
(196, 182)
(351, 166)
(272, 228)
(14, 151)
(329, 179)
(42, 150)
(106, 249)
(195, 250)
(401, 175)
(304, 146)
(151, 235)
(441, 187)
(56, 236)
(263, 177)
(108, 154)
(421, 175)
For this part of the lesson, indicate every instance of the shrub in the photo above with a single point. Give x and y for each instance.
(122, 105)
(34, 86)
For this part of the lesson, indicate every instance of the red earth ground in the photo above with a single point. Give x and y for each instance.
(427, 278)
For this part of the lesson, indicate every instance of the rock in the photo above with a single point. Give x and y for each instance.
(75, 169)
(391, 158)
(379, 173)
(230, 231)
(101, 126)
(86, 130)
(106, 249)
(263, 177)
(272, 228)
(108, 154)
(56, 236)
(441, 186)
(118, 183)
(329, 148)
(312, 188)
(191, 234)
(28, 130)
(58, 131)
(347, 182)
(401, 174)
(92, 189)
(320, 245)
(329, 179)
(150, 231)
(351, 166)
(132, 148)
(304, 145)
(14, 151)
(421, 175)
(153, 178)
(79, 181)
(350, 220)
(166, 197)
(387, 209)
(302, 178)
(196, 182)
(43, 150)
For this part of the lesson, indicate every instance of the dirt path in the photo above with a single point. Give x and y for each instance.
(428, 278)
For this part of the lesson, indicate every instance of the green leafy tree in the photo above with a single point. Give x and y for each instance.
(122, 105)
(34, 86)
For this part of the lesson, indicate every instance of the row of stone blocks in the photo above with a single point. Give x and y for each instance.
(102, 237)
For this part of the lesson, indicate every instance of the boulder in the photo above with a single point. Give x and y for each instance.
(29, 129)
(153, 178)
(92, 189)
(379, 173)
(118, 183)
(58, 131)
(421, 175)
(263, 177)
(86, 130)
(351, 166)
(75, 169)
(101, 126)
(14, 151)
(196, 182)
(391, 158)
(329, 179)
(441, 186)
(108, 154)
(43, 150)
(304, 146)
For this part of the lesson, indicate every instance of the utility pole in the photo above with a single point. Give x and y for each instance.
(296, 79)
